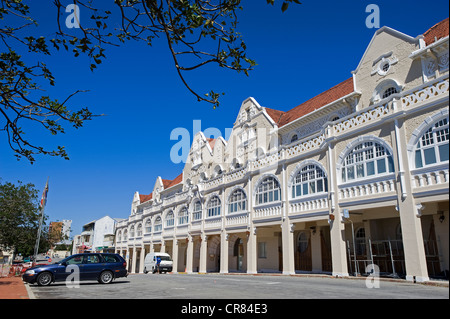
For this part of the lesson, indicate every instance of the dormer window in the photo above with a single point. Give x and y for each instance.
(294, 138)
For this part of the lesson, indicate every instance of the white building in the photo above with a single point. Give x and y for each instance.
(275, 196)
(97, 235)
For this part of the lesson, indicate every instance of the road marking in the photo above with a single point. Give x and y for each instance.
(273, 283)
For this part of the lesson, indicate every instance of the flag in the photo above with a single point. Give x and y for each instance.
(44, 196)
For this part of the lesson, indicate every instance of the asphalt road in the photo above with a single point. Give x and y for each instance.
(238, 287)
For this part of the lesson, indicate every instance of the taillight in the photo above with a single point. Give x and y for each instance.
(125, 264)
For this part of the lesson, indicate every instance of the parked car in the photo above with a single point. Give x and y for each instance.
(151, 260)
(101, 267)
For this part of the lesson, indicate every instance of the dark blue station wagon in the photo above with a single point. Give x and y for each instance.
(102, 267)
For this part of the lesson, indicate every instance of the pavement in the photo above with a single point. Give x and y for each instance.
(13, 288)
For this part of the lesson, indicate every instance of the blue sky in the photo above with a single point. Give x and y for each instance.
(300, 53)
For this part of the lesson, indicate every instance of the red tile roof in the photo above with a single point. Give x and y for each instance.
(145, 198)
(167, 184)
(438, 31)
(324, 98)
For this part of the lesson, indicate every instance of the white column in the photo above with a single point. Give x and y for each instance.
(410, 212)
(203, 254)
(133, 262)
(252, 251)
(175, 255)
(190, 254)
(141, 261)
(224, 252)
(337, 227)
(287, 239)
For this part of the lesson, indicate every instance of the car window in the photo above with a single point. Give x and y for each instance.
(110, 259)
(91, 259)
(75, 260)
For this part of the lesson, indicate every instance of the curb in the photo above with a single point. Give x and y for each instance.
(29, 291)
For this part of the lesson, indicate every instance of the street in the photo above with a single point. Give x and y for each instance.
(238, 287)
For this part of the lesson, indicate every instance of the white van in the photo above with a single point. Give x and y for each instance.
(150, 263)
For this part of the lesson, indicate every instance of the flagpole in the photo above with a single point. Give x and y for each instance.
(41, 208)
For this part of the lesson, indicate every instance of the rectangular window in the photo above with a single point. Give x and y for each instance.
(360, 170)
(430, 156)
(320, 186)
(370, 168)
(381, 164)
(262, 250)
(351, 172)
(443, 152)
(312, 187)
(418, 159)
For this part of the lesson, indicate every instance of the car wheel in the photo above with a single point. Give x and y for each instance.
(44, 279)
(145, 271)
(106, 277)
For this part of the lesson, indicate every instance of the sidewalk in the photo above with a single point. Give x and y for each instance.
(13, 288)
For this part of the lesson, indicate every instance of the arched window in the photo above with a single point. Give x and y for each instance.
(197, 212)
(169, 219)
(268, 191)
(237, 201)
(214, 206)
(309, 180)
(365, 160)
(432, 147)
(119, 236)
(139, 230)
(132, 232)
(158, 224)
(385, 89)
(125, 235)
(183, 216)
(389, 91)
(148, 226)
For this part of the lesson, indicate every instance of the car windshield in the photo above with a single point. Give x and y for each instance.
(165, 258)
(64, 260)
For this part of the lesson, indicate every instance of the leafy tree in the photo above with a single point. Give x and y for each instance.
(197, 33)
(19, 218)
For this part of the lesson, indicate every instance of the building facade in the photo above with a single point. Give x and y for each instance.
(96, 236)
(357, 175)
